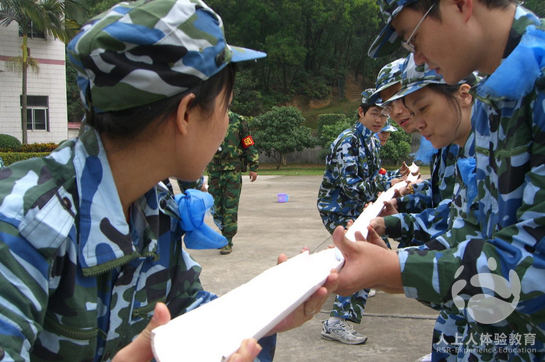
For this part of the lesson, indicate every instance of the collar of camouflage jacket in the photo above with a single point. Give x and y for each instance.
(517, 74)
(106, 240)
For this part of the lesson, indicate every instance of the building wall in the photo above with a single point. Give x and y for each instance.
(51, 82)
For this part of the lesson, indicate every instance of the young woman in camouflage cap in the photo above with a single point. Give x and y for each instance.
(91, 246)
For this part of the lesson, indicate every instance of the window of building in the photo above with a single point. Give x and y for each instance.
(32, 32)
(37, 113)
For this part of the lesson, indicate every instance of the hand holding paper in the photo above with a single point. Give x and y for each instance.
(276, 300)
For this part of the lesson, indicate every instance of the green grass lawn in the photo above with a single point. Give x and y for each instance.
(307, 169)
(297, 169)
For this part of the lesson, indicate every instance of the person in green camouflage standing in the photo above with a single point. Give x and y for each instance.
(235, 155)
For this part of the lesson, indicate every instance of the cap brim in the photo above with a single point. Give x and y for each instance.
(243, 54)
(405, 91)
(413, 87)
(386, 43)
(389, 129)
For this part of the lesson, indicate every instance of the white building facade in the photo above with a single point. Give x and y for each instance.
(46, 90)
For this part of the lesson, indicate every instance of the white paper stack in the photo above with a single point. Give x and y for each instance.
(373, 210)
(213, 332)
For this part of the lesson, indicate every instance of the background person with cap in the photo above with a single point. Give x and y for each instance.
(236, 154)
(91, 246)
(507, 42)
(385, 133)
(351, 180)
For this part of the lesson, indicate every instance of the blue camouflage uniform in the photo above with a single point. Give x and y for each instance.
(351, 178)
(496, 253)
(79, 282)
(424, 214)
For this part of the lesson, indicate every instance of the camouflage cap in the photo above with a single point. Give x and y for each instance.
(366, 96)
(140, 52)
(416, 77)
(388, 41)
(388, 127)
(389, 75)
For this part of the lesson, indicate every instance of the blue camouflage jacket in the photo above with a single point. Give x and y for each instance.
(503, 250)
(79, 282)
(351, 178)
(424, 214)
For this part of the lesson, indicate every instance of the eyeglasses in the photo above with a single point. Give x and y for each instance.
(380, 114)
(388, 109)
(407, 44)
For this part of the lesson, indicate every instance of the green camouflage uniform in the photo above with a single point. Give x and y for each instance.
(225, 174)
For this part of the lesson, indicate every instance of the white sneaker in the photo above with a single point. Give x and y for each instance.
(426, 358)
(342, 332)
(371, 293)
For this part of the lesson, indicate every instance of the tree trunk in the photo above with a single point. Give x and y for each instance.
(24, 90)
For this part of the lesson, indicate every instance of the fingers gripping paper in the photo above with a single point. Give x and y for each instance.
(373, 210)
(209, 334)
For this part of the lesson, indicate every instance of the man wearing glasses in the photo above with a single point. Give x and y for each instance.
(351, 180)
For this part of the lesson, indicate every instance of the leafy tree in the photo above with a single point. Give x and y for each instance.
(281, 131)
(247, 99)
(537, 6)
(397, 148)
(51, 17)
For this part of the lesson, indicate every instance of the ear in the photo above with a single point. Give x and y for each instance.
(360, 112)
(465, 97)
(184, 113)
(465, 8)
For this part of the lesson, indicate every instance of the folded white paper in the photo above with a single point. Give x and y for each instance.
(373, 210)
(213, 332)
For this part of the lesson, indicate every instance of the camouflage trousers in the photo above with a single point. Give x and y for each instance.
(225, 187)
(352, 307)
(331, 220)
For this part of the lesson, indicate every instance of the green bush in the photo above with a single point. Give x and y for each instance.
(397, 148)
(9, 143)
(39, 147)
(330, 119)
(11, 157)
(329, 133)
(25, 152)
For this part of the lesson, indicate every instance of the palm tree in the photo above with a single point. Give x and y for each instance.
(50, 17)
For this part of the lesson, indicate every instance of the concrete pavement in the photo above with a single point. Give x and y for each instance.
(399, 328)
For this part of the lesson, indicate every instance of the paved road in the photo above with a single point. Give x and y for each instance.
(399, 328)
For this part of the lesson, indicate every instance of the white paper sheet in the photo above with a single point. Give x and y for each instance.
(213, 332)
(373, 210)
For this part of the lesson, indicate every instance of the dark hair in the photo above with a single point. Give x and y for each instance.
(129, 123)
(365, 107)
(449, 91)
(424, 5)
